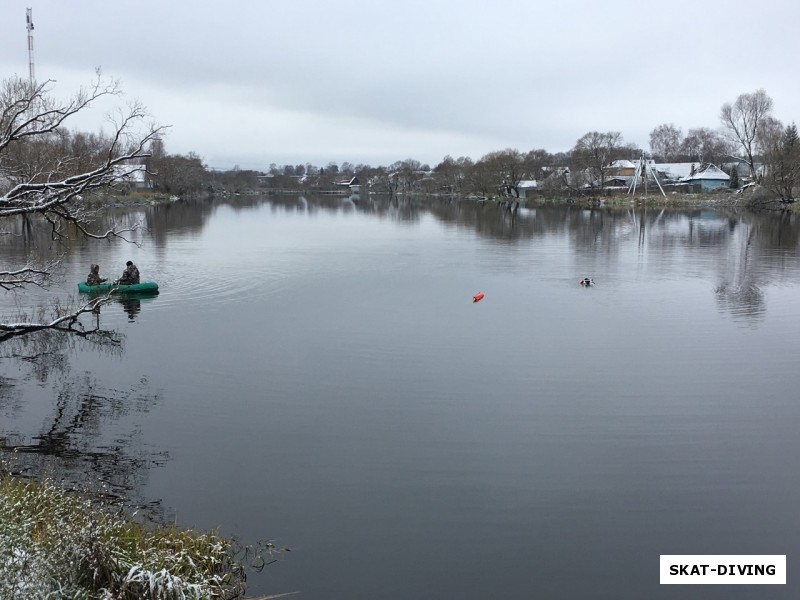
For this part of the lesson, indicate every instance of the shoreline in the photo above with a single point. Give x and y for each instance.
(59, 541)
(755, 199)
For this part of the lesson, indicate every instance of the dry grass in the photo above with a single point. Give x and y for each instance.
(57, 544)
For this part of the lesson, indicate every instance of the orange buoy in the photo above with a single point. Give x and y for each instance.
(477, 297)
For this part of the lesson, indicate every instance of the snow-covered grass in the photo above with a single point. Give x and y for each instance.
(57, 544)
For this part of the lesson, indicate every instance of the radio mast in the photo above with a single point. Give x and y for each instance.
(29, 19)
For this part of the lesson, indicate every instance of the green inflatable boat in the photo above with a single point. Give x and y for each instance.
(145, 287)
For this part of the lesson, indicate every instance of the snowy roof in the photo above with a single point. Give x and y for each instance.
(709, 172)
(676, 170)
(622, 164)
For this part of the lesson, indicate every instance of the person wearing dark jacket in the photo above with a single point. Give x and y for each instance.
(130, 275)
(94, 276)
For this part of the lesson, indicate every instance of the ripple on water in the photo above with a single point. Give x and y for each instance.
(226, 287)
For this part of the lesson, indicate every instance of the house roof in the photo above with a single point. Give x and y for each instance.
(683, 171)
(675, 170)
(622, 164)
(709, 172)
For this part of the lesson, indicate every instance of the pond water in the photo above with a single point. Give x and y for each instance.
(315, 372)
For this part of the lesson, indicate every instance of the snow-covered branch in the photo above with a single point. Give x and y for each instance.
(49, 174)
(28, 110)
(67, 322)
(33, 273)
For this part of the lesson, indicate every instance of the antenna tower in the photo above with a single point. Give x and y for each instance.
(29, 20)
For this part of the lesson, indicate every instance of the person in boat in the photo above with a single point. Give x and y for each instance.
(586, 282)
(94, 276)
(130, 275)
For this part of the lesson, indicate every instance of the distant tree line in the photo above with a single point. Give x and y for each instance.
(749, 135)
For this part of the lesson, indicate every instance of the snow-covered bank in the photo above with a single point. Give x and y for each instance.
(57, 544)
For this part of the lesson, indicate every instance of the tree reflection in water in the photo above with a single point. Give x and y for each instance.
(90, 436)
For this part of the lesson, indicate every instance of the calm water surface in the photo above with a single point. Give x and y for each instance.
(315, 372)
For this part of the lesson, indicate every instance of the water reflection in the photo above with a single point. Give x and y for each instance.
(770, 237)
(745, 300)
(503, 221)
(177, 217)
(132, 306)
(297, 368)
(132, 303)
(74, 441)
(741, 251)
(87, 435)
(398, 208)
(592, 226)
(500, 220)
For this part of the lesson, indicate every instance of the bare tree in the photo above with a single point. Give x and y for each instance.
(770, 134)
(405, 174)
(183, 176)
(559, 182)
(743, 120)
(594, 152)
(452, 174)
(483, 178)
(377, 180)
(705, 145)
(536, 163)
(782, 157)
(665, 141)
(57, 177)
(505, 169)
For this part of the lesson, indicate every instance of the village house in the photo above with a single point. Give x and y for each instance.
(527, 188)
(692, 176)
(621, 168)
(708, 178)
(133, 175)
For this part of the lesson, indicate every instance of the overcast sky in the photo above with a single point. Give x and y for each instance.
(251, 83)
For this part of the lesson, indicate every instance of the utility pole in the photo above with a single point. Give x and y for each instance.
(643, 170)
(29, 19)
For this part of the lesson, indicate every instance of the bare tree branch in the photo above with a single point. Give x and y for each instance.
(33, 273)
(69, 322)
(48, 172)
(29, 111)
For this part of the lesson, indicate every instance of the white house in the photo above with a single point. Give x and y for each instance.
(133, 175)
(527, 187)
(709, 177)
